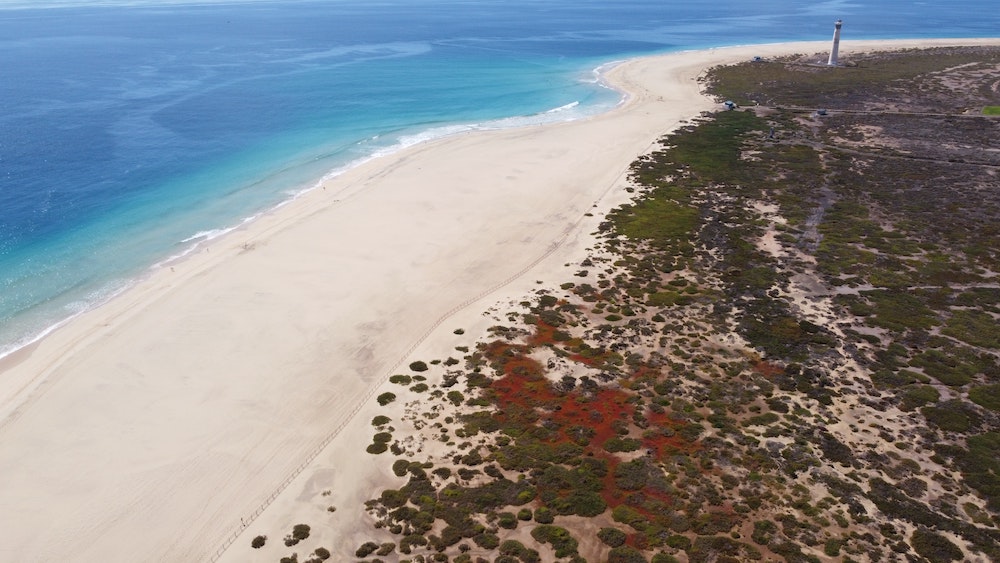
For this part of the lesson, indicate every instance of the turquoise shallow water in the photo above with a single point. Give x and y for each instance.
(130, 132)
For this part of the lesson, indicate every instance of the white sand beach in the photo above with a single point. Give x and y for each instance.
(158, 426)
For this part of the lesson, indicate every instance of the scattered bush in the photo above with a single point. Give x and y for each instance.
(300, 531)
(617, 444)
(400, 379)
(487, 540)
(507, 520)
(386, 398)
(543, 515)
(377, 448)
(517, 549)
(418, 366)
(381, 420)
(562, 542)
(322, 553)
(625, 554)
(366, 549)
(678, 541)
(258, 542)
(612, 537)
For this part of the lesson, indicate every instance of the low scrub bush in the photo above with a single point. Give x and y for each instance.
(366, 549)
(612, 537)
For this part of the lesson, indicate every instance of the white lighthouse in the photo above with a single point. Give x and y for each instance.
(836, 43)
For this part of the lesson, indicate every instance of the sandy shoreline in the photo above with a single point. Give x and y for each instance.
(157, 426)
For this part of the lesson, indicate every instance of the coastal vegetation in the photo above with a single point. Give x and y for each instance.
(785, 348)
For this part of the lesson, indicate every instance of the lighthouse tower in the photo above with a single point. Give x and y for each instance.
(836, 43)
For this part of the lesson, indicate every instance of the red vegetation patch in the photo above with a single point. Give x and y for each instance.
(767, 369)
(544, 334)
(663, 445)
(524, 396)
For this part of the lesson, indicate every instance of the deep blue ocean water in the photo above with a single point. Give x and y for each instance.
(132, 131)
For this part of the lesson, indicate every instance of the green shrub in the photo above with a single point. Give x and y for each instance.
(899, 311)
(975, 327)
(386, 398)
(381, 420)
(678, 541)
(322, 553)
(300, 531)
(507, 520)
(258, 542)
(935, 547)
(418, 366)
(366, 549)
(612, 537)
(762, 419)
(954, 416)
(763, 531)
(400, 466)
(410, 540)
(918, 396)
(377, 448)
(486, 540)
(617, 444)
(632, 475)
(543, 515)
(518, 550)
(400, 379)
(625, 554)
(383, 437)
(419, 388)
(582, 503)
(986, 396)
(562, 542)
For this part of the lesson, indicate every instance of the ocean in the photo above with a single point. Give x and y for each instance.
(133, 131)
